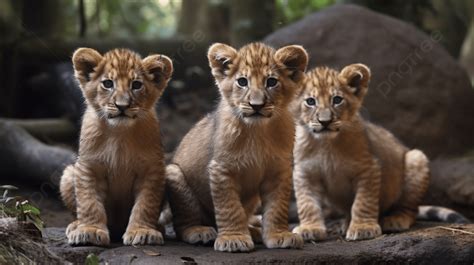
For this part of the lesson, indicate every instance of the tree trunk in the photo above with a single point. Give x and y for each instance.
(204, 20)
(250, 20)
(449, 19)
(190, 15)
(42, 18)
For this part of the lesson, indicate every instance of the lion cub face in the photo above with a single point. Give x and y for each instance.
(330, 99)
(119, 85)
(256, 81)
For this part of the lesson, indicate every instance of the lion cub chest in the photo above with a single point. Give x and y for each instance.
(259, 159)
(335, 173)
(124, 160)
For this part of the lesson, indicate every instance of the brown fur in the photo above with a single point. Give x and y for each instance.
(231, 160)
(360, 167)
(118, 178)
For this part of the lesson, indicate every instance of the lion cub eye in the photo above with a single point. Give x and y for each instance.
(137, 85)
(337, 100)
(242, 82)
(272, 82)
(108, 84)
(311, 101)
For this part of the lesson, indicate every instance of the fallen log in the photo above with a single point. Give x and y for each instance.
(47, 130)
(24, 158)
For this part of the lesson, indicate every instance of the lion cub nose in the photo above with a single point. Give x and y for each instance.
(257, 107)
(325, 123)
(325, 117)
(122, 106)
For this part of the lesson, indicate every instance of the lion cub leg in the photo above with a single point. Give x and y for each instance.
(309, 203)
(187, 218)
(66, 188)
(231, 218)
(416, 183)
(91, 224)
(365, 208)
(276, 194)
(142, 225)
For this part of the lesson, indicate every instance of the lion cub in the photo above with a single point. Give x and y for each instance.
(360, 167)
(118, 178)
(241, 153)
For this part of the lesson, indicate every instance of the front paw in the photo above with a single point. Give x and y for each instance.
(283, 240)
(361, 231)
(199, 234)
(397, 223)
(71, 227)
(80, 234)
(142, 236)
(234, 243)
(311, 232)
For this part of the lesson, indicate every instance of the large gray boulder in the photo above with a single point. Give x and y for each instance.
(418, 91)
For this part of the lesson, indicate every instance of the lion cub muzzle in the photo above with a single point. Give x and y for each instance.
(121, 108)
(257, 106)
(323, 123)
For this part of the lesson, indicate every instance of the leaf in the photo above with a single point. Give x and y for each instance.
(28, 208)
(151, 252)
(11, 211)
(8, 187)
(36, 221)
(9, 199)
(92, 259)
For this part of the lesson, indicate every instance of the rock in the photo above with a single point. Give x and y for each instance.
(426, 243)
(452, 184)
(56, 240)
(418, 91)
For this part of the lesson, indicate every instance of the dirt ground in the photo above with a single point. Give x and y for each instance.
(426, 243)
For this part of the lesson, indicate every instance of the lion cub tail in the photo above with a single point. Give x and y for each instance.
(442, 214)
(418, 175)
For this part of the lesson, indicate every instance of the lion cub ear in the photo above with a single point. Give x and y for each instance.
(294, 58)
(85, 60)
(159, 68)
(221, 57)
(356, 77)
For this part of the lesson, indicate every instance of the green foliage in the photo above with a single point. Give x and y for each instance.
(288, 11)
(92, 259)
(19, 208)
(153, 18)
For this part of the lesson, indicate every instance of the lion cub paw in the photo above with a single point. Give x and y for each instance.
(234, 243)
(199, 234)
(283, 240)
(79, 234)
(311, 232)
(142, 236)
(363, 231)
(396, 223)
(71, 227)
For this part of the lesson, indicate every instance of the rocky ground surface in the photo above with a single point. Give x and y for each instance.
(426, 243)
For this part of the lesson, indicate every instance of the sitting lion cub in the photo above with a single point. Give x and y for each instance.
(118, 178)
(360, 167)
(241, 153)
